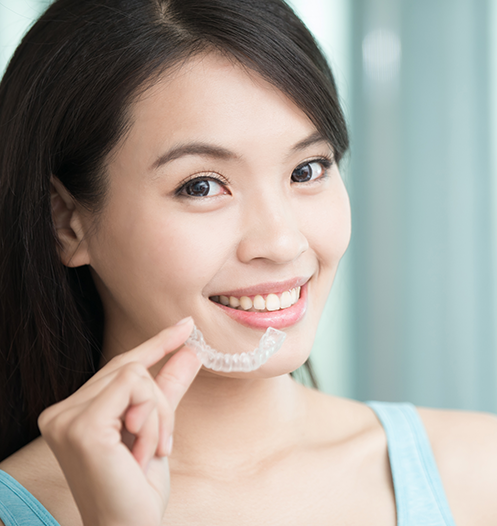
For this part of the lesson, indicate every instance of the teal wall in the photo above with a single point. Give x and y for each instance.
(422, 186)
(15, 17)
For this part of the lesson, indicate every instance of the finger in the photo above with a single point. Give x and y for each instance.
(147, 440)
(98, 383)
(135, 416)
(177, 375)
(149, 352)
(129, 388)
(154, 349)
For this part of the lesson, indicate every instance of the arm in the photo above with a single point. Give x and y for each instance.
(465, 449)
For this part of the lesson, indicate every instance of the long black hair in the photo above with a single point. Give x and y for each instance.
(63, 107)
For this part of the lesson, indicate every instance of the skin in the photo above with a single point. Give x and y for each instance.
(249, 448)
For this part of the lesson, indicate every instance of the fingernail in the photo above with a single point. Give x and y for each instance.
(184, 320)
(169, 446)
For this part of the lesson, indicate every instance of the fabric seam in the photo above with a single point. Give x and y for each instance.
(399, 487)
(6, 515)
(387, 423)
(427, 460)
(35, 506)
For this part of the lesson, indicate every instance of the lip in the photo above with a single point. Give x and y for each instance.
(262, 320)
(266, 288)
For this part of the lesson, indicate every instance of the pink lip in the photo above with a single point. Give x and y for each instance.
(266, 288)
(262, 320)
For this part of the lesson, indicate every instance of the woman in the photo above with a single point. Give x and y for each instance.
(171, 162)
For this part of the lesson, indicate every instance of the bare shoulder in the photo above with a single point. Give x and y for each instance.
(353, 417)
(465, 449)
(29, 462)
(36, 469)
(335, 421)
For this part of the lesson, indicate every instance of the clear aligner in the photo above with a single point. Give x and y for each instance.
(269, 344)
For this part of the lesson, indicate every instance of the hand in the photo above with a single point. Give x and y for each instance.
(112, 436)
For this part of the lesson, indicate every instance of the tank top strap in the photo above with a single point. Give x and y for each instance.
(419, 494)
(18, 507)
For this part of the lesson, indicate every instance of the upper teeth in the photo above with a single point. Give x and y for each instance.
(272, 302)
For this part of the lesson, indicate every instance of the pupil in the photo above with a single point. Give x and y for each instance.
(198, 188)
(302, 174)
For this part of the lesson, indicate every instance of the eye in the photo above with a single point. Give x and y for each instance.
(202, 188)
(310, 171)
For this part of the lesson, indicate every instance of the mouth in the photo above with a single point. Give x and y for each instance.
(260, 303)
(277, 306)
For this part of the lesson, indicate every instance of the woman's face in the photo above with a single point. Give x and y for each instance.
(223, 187)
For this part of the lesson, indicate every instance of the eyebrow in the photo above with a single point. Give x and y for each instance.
(195, 148)
(218, 152)
(314, 138)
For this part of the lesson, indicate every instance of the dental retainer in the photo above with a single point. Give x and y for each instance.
(269, 344)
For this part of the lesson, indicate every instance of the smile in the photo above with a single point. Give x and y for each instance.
(261, 303)
(271, 305)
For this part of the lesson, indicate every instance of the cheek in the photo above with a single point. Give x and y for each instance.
(152, 249)
(190, 249)
(327, 225)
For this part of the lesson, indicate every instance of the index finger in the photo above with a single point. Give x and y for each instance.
(154, 349)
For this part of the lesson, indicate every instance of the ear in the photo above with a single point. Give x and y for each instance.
(67, 219)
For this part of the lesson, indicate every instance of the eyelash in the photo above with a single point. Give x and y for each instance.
(223, 181)
(325, 162)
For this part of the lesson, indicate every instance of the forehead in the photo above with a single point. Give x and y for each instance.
(216, 100)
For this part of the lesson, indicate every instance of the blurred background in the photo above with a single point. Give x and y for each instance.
(411, 315)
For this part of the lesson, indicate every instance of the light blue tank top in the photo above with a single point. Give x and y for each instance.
(419, 495)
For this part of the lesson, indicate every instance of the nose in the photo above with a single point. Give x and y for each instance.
(270, 231)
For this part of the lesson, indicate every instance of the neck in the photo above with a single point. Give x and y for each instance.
(229, 422)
